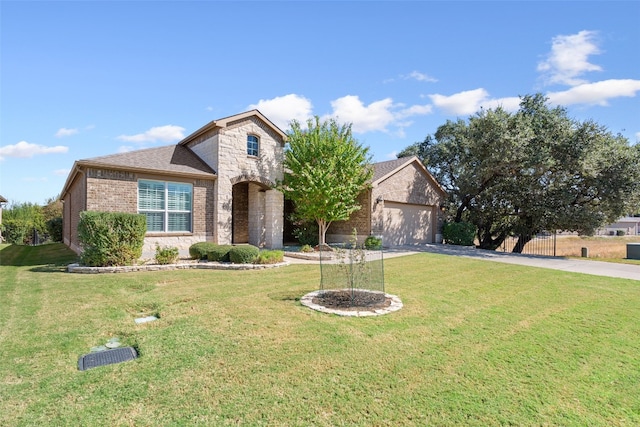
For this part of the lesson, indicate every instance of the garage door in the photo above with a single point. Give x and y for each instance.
(406, 224)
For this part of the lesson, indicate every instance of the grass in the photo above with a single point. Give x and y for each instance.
(477, 343)
(611, 249)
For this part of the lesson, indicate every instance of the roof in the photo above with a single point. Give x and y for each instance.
(224, 122)
(3, 200)
(168, 160)
(383, 170)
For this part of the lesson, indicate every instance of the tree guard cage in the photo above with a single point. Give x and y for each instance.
(352, 275)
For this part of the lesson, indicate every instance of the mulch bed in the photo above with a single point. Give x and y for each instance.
(352, 300)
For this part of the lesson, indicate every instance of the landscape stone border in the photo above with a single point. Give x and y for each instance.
(77, 268)
(396, 304)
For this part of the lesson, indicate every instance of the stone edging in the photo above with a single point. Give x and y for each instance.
(396, 304)
(77, 268)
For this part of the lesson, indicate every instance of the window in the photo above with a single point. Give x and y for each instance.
(252, 145)
(167, 205)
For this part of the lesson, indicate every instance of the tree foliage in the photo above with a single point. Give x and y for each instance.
(533, 170)
(325, 171)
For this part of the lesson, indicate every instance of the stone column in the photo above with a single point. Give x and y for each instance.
(224, 204)
(274, 219)
(256, 215)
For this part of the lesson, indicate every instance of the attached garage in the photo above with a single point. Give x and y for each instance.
(407, 224)
(403, 206)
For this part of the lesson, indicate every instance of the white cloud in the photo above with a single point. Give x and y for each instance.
(377, 116)
(637, 136)
(62, 132)
(470, 101)
(61, 172)
(421, 77)
(168, 133)
(569, 58)
(597, 93)
(25, 150)
(281, 110)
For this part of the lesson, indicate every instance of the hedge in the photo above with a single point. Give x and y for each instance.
(200, 250)
(111, 238)
(219, 253)
(243, 254)
(459, 233)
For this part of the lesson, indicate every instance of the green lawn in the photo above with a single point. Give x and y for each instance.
(477, 343)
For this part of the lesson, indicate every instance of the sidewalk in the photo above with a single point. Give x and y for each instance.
(598, 268)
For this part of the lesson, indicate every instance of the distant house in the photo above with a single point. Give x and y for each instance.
(2, 202)
(630, 225)
(218, 185)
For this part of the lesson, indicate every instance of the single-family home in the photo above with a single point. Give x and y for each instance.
(218, 184)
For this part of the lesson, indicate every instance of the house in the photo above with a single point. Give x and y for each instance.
(629, 225)
(402, 206)
(218, 185)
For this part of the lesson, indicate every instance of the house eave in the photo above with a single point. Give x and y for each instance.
(224, 122)
(100, 165)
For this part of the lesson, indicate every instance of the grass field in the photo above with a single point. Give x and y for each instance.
(477, 343)
(600, 248)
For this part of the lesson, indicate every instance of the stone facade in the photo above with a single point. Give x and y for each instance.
(224, 149)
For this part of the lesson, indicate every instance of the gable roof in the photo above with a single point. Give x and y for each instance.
(168, 160)
(224, 122)
(383, 170)
(3, 200)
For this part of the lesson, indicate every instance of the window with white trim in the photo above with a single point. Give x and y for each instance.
(253, 145)
(167, 205)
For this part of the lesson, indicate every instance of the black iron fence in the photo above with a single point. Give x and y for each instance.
(539, 244)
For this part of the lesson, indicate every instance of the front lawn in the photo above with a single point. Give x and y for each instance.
(477, 343)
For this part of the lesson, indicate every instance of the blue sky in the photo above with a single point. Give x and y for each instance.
(85, 79)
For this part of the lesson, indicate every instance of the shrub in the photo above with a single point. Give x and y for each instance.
(459, 233)
(270, 257)
(167, 254)
(306, 248)
(111, 238)
(306, 233)
(373, 242)
(219, 253)
(620, 233)
(200, 250)
(54, 228)
(243, 254)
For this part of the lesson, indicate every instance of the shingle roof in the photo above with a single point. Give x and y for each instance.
(382, 169)
(169, 159)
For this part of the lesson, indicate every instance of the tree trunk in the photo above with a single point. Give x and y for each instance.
(523, 239)
(323, 226)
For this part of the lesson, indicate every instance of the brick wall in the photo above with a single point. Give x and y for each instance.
(341, 231)
(74, 203)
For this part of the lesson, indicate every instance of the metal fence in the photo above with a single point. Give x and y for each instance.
(540, 244)
(353, 273)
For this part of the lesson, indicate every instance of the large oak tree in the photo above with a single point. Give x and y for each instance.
(326, 169)
(517, 174)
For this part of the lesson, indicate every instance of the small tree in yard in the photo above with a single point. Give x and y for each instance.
(325, 171)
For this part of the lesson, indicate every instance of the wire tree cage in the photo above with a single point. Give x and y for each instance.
(353, 273)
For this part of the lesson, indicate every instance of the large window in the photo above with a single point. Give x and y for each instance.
(253, 144)
(167, 205)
